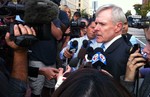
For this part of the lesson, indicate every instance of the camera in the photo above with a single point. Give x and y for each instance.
(136, 47)
(30, 14)
(143, 23)
(140, 23)
(75, 27)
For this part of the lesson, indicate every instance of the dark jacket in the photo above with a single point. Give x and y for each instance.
(144, 89)
(117, 55)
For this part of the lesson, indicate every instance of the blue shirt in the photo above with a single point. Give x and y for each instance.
(93, 44)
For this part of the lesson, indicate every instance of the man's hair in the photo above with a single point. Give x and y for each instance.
(77, 13)
(117, 12)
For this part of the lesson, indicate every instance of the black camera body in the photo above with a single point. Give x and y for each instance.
(75, 27)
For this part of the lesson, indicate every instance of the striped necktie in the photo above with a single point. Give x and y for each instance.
(102, 46)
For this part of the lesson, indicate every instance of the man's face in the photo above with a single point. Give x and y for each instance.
(90, 31)
(9, 19)
(125, 28)
(105, 29)
(147, 47)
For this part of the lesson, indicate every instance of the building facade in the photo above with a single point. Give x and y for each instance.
(75, 5)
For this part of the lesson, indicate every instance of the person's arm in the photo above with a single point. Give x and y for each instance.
(18, 77)
(56, 31)
(135, 61)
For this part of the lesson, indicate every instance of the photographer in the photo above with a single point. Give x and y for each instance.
(5, 50)
(14, 84)
(135, 61)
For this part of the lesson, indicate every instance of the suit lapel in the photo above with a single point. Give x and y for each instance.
(114, 45)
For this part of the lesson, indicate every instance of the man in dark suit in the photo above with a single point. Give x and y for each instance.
(109, 24)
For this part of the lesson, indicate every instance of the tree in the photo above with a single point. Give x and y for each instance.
(142, 9)
(128, 13)
(145, 9)
(137, 8)
(84, 13)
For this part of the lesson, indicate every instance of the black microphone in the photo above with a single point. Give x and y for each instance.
(73, 46)
(82, 52)
(40, 11)
(98, 59)
(89, 54)
(73, 62)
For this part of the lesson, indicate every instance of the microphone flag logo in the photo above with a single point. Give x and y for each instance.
(99, 57)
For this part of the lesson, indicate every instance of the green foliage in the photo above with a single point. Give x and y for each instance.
(128, 13)
(137, 8)
(84, 13)
(142, 9)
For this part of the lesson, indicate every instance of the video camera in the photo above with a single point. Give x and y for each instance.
(143, 23)
(35, 13)
(140, 23)
(75, 27)
(9, 8)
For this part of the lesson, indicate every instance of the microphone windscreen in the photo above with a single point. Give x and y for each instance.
(40, 11)
(75, 43)
(73, 46)
(98, 59)
(98, 49)
(89, 52)
(82, 53)
(73, 62)
(85, 43)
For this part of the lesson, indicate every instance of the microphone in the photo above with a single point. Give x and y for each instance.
(73, 46)
(89, 54)
(73, 62)
(40, 11)
(82, 52)
(72, 49)
(98, 59)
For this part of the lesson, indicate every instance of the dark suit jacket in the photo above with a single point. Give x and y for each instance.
(117, 56)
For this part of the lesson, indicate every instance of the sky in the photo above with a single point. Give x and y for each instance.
(124, 4)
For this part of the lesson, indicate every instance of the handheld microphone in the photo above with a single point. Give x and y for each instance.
(73, 46)
(98, 59)
(89, 54)
(72, 49)
(73, 62)
(82, 52)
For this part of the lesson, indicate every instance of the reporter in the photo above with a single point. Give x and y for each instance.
(136, 61)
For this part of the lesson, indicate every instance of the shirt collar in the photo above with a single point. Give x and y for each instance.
(107, 44)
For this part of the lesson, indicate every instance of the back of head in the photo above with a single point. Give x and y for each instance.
(88, 82)
(117, 12)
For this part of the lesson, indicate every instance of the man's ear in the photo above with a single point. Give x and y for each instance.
(118, 27)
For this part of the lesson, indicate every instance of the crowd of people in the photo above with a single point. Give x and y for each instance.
(63, 66)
